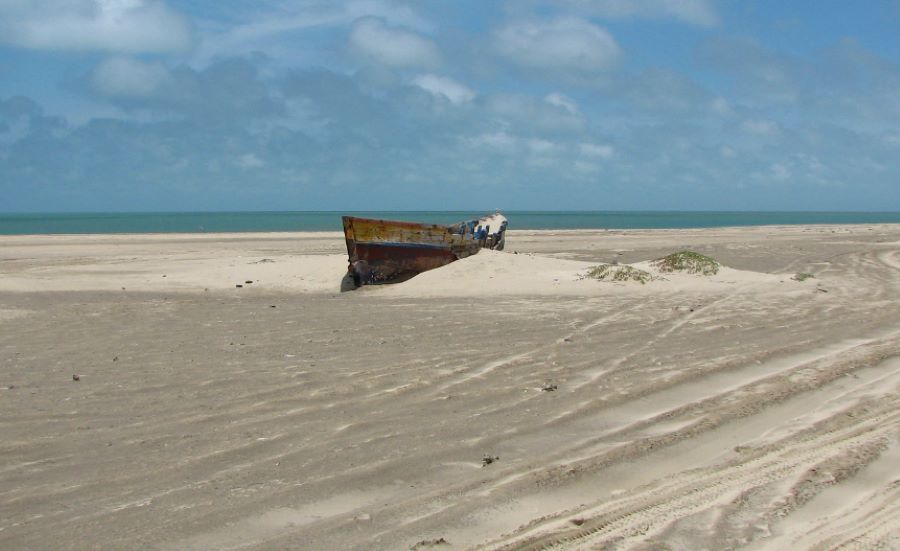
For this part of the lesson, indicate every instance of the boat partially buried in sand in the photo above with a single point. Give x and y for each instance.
(383, 251)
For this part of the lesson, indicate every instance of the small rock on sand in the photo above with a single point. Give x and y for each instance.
(429, 543)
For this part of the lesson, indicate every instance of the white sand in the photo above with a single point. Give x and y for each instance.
(741, 410)
(205, 263)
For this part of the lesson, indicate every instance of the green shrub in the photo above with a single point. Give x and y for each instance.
(687, 261)
(615, 272)
(802, 276)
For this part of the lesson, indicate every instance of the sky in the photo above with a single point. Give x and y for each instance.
(200, 105)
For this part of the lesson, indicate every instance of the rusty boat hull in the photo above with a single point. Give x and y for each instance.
(382, 251)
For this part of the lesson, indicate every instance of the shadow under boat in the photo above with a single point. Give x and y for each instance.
(390, 251)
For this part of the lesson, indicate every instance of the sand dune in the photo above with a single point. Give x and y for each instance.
(493, 273)
(741, 410)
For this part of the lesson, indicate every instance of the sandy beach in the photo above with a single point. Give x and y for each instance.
(220, 391)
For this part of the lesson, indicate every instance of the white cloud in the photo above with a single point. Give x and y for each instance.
(445, 87)
(128, 78)
(760, 127)
(564, 43)
(696, 12)
(259, 29)
(126, 26)
(561, 100)
(392, 12)
(393, 47)
(500, 141)
(528, 114)
(586, 167)
(779, 172)
(542, 147)
(727, 152)
(542, 162)
(596, 150)
(721, 106)
(250, 160)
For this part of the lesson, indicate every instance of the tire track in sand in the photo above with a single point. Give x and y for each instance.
(638, 517)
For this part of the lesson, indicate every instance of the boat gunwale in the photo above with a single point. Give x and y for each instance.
(407, 224)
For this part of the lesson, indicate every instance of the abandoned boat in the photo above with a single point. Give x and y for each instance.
(385, 250)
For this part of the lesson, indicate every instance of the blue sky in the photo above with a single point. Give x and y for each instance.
(109, 105)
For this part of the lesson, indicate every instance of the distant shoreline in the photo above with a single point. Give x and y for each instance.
(124, 223)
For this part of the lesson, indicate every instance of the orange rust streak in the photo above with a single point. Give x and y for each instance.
(380, 231)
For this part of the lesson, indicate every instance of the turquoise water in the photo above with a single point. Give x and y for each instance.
(199, 222)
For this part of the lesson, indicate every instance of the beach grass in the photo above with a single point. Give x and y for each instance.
(615, 272)
(687, 261)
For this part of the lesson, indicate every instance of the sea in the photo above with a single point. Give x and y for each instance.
(215, 222)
